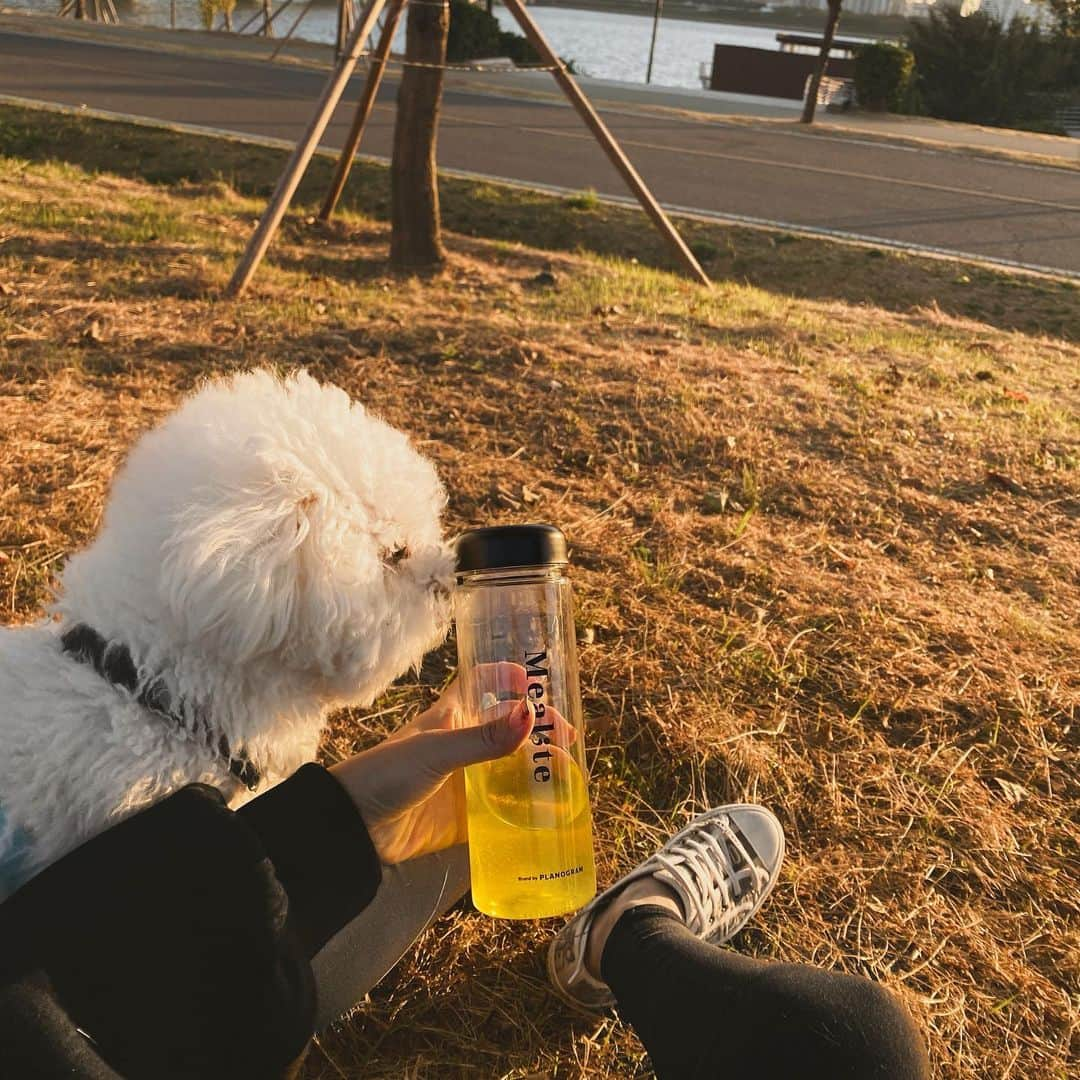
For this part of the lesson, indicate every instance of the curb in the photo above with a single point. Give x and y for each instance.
(685, 212)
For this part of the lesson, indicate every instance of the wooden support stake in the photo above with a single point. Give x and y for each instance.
(607, 141)
(260, 13)
(344, 14)
(292, 29)
(363, 108)
(305, 148)
(267, 28)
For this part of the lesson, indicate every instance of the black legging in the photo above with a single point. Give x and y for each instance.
(704, 1012)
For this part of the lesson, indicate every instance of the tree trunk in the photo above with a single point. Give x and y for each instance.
(416, 240)
(343, 27)
(823, 60)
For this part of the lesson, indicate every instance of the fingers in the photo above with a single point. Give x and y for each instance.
(550, 726)
(503, 679)
(444, 751)
(553, 727)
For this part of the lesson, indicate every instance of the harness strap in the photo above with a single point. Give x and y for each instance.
(113, 662)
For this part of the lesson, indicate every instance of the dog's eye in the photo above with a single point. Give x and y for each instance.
(399, 554)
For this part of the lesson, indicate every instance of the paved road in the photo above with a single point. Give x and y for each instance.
(980, 206)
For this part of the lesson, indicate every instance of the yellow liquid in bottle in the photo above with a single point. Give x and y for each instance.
(530, 842)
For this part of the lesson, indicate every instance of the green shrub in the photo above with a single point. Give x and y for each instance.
(976, 69)
(586, 200)
(882, 72)
(476, 35)
(517, 48)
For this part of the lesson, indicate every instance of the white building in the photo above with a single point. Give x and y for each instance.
(1004, 10)
(1007, 10)
(876, 7)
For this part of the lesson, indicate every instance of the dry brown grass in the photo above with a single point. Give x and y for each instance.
(829, 555)
(778, 262)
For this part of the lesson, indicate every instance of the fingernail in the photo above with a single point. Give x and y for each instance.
(521, 719)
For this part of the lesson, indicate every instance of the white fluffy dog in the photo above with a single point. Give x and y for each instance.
(270, 551)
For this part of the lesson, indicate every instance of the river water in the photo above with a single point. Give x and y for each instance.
(601, 44)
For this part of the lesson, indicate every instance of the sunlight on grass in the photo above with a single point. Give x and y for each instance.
(824, 554)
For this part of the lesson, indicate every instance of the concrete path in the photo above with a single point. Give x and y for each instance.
(758, 170)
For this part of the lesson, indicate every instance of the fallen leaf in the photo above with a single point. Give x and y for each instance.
(714, 502)
(1014, 793)
(1005, 482)
(505, 495)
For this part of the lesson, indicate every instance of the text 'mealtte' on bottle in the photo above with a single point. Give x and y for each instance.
(530, 829)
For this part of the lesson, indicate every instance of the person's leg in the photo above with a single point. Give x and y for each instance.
(704, 1012)
(412, 895)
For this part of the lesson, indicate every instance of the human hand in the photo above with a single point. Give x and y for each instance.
(410, 790)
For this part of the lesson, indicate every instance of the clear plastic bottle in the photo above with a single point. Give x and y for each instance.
(530, 828)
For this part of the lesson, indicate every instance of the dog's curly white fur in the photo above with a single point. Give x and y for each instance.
(270, 551)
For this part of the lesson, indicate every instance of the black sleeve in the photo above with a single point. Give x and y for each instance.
(180, 941)
(38, 1041)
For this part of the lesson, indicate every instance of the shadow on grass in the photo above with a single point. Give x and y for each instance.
(778, 262)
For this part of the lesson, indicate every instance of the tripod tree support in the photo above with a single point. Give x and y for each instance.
(363, 108)
(292, 30)
(344, 25)
(305, 148)
(606, 140)
(335, 87)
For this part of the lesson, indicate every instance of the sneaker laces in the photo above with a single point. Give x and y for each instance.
(716, 877)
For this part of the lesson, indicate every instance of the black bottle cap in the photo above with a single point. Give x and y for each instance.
(507, 546)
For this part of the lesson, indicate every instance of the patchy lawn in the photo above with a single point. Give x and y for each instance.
(827, 555)
(812, 268)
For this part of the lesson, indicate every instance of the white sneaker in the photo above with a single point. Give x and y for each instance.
(722, 866)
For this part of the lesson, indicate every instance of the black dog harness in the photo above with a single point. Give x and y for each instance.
(113, 662)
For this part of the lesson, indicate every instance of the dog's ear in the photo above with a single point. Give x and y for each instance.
(231, 573)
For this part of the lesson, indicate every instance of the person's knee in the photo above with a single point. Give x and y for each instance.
(848, 1026)
(899, 1039)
